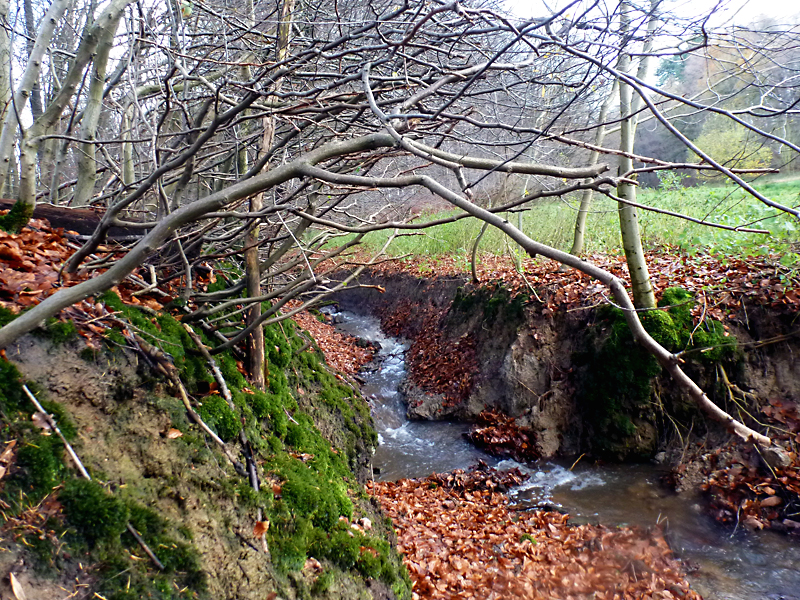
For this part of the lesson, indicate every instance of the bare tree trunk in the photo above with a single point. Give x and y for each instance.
(257, 353)
(128, 171)
(87, 164)
(30, 29)
(29, 78)
(643, 295)
(5, 62)
(594, 158)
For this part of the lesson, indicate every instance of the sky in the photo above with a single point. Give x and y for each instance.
(739, 12)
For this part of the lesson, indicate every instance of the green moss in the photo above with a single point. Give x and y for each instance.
(708, 343)
(182, 576)
(618, 387)
(97, 515)
(277, 343)
(11, 394)
(322, 583)
(227, 366)
(42, 466)
(58, 332)
(166, 333)
(495, 301)
(6, 316)
(176, 556)
(313, 491)
(618, 383)
(679, 302)
(17, 217)
(217, 414)
(661, 327)
(711, 342)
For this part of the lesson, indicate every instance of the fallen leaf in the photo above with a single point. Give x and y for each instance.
(771, 501)
(260, 528)
(174, 433)
(6, 455)
(41, 421)
(16, 587)
(312, 564)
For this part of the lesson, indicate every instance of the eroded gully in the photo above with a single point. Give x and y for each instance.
(725, 564)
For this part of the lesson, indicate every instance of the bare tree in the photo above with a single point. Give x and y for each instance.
(309, 117)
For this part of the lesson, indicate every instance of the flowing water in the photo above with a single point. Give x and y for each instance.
(730, 565)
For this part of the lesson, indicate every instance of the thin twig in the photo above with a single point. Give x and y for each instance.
(52, 423)
(145, 547)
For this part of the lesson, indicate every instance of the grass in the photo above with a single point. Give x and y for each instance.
(553, 222)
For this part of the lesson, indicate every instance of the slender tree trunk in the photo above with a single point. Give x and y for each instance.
(87, 163)
(643, 295)
(36, 92)
(5, 62)
(29, 78)
(128, 171)
(257, 354)
(594, 157)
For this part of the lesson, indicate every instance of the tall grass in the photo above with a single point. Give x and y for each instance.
(553, 222)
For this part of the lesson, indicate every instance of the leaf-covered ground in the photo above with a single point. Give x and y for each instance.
(725, 281)
(460, 536)
(461, 539)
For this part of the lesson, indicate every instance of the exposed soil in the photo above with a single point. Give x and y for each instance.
(521, 362)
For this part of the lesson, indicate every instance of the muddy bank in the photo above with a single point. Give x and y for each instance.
(310, 531)
(474, 349)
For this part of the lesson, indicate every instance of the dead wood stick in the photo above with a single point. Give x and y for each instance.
(85, 474)
(164, 364)
(223, 386)
(144, 546)
(52, 423)
(226, 393)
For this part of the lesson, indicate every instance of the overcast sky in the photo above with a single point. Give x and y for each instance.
(741, 12)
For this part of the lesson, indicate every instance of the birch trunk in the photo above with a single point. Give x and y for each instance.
(5, 61)
(594, 158)
(643, 295)
(29, 77)
(87, 163)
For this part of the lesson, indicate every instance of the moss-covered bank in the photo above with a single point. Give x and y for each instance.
(310, 435)
(572, 374)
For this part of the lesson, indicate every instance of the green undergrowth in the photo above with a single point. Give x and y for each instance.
(618, 388)
(553, 223)
(310, 491)
(317, 481)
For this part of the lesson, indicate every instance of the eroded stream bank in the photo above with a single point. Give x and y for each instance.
(725, 564)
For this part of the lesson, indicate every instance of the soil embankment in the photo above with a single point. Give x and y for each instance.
(561, 367)
(200, 486)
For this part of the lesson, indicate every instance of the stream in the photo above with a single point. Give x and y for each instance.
(725, 564)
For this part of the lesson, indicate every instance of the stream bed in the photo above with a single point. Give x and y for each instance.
(725, 564)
